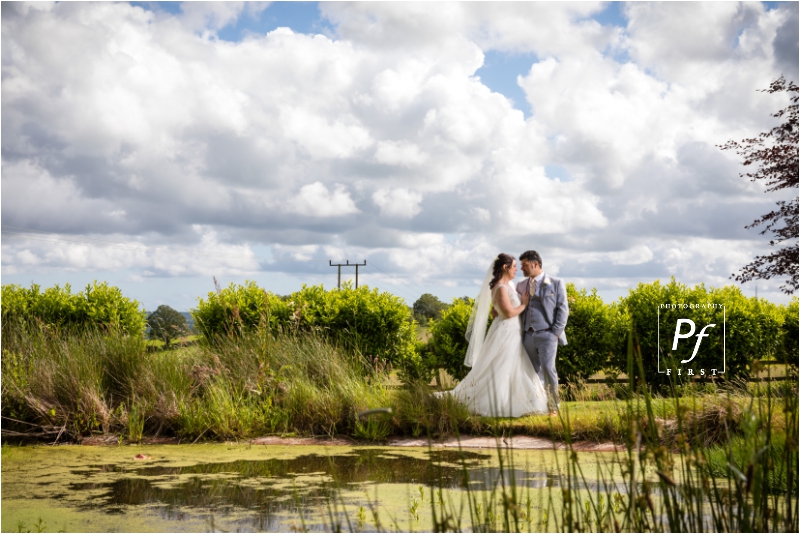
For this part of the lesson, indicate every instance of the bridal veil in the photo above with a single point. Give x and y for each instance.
(479, 316)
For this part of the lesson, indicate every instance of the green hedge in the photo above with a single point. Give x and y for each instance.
(447, 346)
(97, 306)
(595, 332)
(755, 329)
(237, 308)
(377, 325)
(790, 333)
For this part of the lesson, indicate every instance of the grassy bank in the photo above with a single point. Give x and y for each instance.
(58, 385)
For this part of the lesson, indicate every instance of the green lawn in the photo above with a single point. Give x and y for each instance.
(610, 419)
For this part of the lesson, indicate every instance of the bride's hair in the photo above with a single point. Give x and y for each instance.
(501, 264)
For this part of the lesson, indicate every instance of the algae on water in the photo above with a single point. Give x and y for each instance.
(247, 488)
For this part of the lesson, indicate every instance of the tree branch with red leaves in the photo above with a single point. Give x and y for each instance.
(775, 154)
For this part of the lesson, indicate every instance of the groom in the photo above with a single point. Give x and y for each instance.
(543, 321)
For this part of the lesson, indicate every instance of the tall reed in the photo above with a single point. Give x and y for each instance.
(239, 387)
(729, 465)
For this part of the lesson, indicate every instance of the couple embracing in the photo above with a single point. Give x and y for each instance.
(514, 363)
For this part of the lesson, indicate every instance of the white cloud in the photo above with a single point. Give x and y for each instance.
(321, 138)
(400, 153)
(531, 203)
(419, 240)
(53, 253)
(299, 253)
(541, 27)
(39, 198)
(398, 202)
(634, 256)
(482, 215)
(608, 116)
(712, 34)
(314, 200)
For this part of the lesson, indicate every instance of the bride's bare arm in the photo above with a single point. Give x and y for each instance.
(504, 303)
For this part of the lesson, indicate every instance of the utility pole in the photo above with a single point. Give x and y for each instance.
(363, 265)
(348, 264)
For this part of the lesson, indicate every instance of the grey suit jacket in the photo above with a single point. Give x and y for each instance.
(553, 293)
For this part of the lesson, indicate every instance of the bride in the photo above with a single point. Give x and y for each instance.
(502, 382)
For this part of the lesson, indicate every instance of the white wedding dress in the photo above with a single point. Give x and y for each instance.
(502, 382)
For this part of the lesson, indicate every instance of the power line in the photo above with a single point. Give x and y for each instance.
(397, 289)
(413, 288)
(414, 296)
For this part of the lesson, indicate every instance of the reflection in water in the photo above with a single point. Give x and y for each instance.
(370, 465)
(273, 488)
(267, 494)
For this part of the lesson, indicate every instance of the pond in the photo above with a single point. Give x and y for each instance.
(218, 487)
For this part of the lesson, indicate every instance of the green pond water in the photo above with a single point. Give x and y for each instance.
(218, 487)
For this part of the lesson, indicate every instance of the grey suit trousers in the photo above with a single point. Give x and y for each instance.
(541, 348)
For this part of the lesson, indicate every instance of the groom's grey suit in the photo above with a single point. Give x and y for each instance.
(543, 323)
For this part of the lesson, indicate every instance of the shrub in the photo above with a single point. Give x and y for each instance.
(752, 330)
(376, 325)
(790, 336)
(595, 331)
(447, 346)
(237, 308)
(97, 306)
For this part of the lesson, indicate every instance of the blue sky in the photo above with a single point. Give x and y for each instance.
(158, 145)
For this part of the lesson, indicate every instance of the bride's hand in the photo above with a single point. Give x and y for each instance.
(524, 298)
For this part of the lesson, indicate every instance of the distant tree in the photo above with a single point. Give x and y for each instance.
(167, 324)
(776, 154)
(428, 307)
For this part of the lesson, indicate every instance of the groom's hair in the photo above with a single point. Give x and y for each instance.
(531, 256)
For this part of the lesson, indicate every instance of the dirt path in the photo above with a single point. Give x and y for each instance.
(516, 442)
(466, 442)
